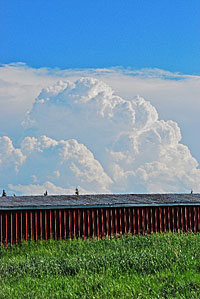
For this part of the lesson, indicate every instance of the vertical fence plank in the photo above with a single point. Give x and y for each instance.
(186, 224)
(60, 225)
(133, 210)
(26, 216)
(177, 218)
(11, 228)
(111, 221)
(160, 219)
(65, 225)
(31, 225)
(164, 219)
(55, 224)
(151, 215)
(173, 220)
(70, 221)
(156, 219)
(74, 218)
(88, 219)
(6, 229)
(198, 210)
(169, 219)
(116, 228)
(36, 236)
(120, 221)
(93, 225)
(107, 223)
(190, 218)
(45, 223)
(1, 217)
(98, 224)
(182, 226)
(41, 226)
(129, 220)
(102, 224)
(147, 219)
(138, 220)
(79, 223)
(84, 224)
(195, 216)
(143, 231)
(50, 224)
(125, 222)
(16, 228)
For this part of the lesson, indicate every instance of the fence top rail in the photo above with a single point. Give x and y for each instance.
(97, 201)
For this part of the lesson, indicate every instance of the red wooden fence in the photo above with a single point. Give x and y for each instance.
(45, 224)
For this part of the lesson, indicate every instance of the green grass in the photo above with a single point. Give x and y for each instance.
(157, 266)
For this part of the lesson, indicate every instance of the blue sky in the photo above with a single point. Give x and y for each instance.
(105, 33)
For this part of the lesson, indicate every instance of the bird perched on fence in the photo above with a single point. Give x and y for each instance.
(3, 193)
(76, 191)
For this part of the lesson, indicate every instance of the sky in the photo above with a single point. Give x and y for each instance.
(97, 34)
(99, 95)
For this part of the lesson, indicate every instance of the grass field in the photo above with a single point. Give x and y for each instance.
(155, 266)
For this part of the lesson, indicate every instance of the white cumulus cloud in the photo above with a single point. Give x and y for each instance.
(66, 164)
(81, 133)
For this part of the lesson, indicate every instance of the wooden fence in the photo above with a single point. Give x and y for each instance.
(44, 224)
